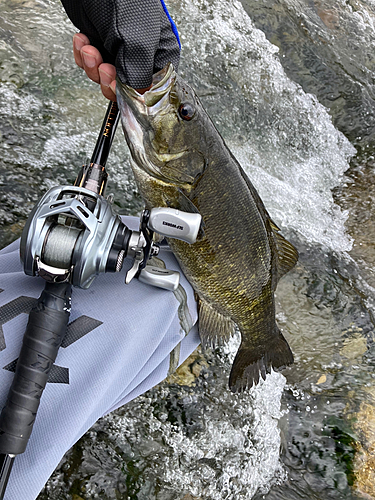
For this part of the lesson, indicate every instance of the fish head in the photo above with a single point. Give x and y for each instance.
(165, 128)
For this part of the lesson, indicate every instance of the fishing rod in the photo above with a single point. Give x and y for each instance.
(71, 236)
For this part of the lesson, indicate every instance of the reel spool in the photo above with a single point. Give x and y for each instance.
(65, 241)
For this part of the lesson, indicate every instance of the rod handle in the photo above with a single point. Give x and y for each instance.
(45, 331)
(6, 464)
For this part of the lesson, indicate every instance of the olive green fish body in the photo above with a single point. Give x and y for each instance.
(239, 255)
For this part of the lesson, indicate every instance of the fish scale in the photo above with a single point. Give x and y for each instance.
(180, 160)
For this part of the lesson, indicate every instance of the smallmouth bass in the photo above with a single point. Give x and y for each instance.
(180, 160)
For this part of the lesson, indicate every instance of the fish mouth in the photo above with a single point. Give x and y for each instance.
(136, 111)
(152, 100)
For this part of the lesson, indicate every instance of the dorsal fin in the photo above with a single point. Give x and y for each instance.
(287, 254)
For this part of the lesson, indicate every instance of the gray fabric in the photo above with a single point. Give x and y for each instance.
(107, 361)
(136, 36)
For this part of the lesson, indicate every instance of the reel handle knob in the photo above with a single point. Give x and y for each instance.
(159, 277)
(174, 223)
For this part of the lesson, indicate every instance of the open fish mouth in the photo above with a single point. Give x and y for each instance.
(152, 101)
(162, 83)
(137, 110)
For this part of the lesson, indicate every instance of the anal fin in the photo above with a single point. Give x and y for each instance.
(214, 327)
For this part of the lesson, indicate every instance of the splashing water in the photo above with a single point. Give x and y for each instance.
(201, 441)
(282, 137)
(216, 459)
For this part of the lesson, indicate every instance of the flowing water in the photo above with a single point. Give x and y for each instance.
(289, 84)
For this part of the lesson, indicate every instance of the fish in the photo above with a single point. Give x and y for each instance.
(180, 160)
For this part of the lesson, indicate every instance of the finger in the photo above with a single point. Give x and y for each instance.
(107, 73)
(79, 41)
(113, 87)
(91, 59)
(108, 93)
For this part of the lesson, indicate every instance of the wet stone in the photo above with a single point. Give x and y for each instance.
(189, 370)
(354, 346)
(364, 464)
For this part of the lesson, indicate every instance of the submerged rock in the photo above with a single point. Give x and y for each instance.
(188, 372)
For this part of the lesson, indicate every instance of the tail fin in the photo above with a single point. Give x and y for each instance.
(252, 360)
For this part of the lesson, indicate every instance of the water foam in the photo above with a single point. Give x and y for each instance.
(228, 447)
(282, 136)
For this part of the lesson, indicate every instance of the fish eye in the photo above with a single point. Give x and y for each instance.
(186, 111)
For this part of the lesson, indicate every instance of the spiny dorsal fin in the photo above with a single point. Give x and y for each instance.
(214, 328)
(287, 254)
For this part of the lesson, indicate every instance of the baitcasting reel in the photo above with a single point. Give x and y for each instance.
(70, 237)
(73, 235)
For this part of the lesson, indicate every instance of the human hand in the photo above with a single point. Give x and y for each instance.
(90, 60)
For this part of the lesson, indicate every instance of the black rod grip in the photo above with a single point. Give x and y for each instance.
(45, 331)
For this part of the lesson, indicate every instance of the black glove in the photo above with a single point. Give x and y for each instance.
(137, 36)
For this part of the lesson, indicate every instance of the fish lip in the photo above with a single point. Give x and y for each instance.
(135, 137)
(162, 83)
